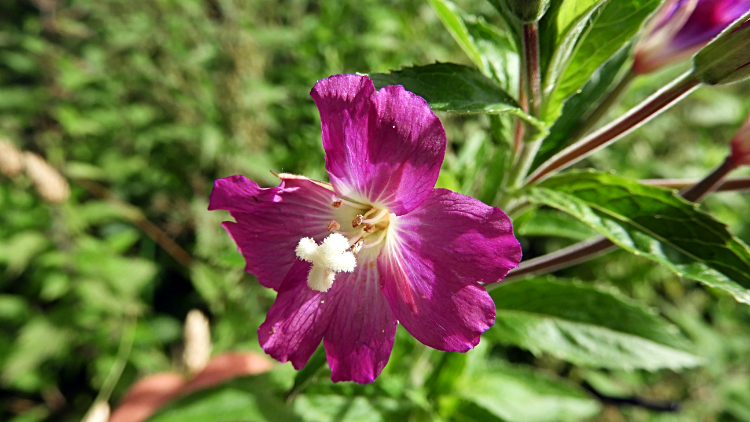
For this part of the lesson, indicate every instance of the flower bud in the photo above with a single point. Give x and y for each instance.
(527, 11)
(726, 59)
(11, 159)
(197, 337)
(50, 184)
(741, 144)
(681, 28)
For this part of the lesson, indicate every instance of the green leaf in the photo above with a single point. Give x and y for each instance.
(455, 88)
(334, 407)
(586, 326)
(242, 399)
(467, 411)
(38, 341)
(454, 23)
(499, 56)
(559, 32)
(654, 223)
(18, 251)
(517, 394)
(571, 12)
(306, 375)
(606, 33)
(552, 223)
(575, 107)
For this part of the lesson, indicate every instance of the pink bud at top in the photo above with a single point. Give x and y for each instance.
(741, 144)
(681, 28)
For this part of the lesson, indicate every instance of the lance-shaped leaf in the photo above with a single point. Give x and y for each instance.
(454, 23)
(559, 31)
(455, 88)
(498, 51)
(605, 33)
(586, 326)
(562, 132)
(655, 223)
(519, 394)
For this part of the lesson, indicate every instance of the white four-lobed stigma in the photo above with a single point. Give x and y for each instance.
(328, 258)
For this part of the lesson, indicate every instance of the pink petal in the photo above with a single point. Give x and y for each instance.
(296, 321)
(271, 221)
(360, 336)
(384, 148)
(433, 261)
(353, 317)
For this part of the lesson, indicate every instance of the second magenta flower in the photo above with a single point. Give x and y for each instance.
(681, 28)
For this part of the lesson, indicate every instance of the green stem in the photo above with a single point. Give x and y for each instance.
(123, 353)
(608, 134)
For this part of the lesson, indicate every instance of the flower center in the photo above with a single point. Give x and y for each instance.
(337, 251)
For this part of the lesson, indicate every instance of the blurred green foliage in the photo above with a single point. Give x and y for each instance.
(141, 104)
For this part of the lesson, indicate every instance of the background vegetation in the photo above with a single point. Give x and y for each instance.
(141, 104)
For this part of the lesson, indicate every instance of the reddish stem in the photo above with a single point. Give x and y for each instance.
(730, 185)
(618, 128)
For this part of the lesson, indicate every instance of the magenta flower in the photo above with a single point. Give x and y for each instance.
(681, 28)
(378, 246)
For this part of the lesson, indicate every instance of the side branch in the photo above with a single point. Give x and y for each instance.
(649, 109)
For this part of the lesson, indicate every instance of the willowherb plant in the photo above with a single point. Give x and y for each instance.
(383, 244)
(384, 149)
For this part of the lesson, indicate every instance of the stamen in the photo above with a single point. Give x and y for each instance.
(333, 225)
(377, 217)
(355, 236)
(357, 245)
(369, 228)
(357, 220)
(338, 202)
(380, 239)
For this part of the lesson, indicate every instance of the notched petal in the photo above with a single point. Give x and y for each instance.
(382, 147)
(432, 264)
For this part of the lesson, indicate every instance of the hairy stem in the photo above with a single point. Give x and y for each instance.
(532, 76)
(523, 100)
(641, 114)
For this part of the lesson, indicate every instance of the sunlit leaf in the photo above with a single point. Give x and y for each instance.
(586, 326)
(517, 394)
(654, 223)
(454, 23)
(242, 399)
(454, 88)
(607, 32)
